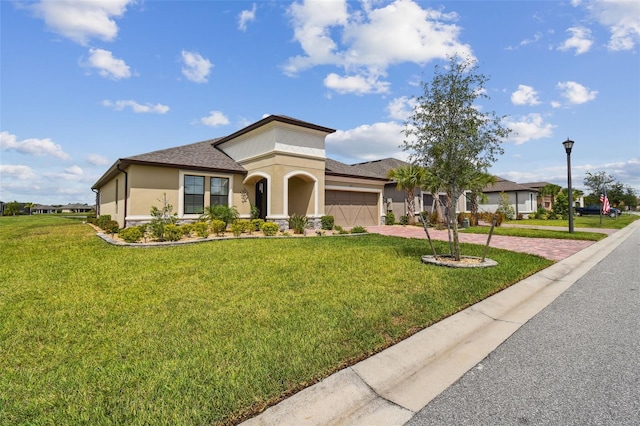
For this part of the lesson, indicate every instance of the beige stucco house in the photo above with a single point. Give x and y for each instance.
(277, 164)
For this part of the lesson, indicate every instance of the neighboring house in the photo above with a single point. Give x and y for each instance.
(76, 208)
(545, 201)
(395, 200)
(521, 197)
(42, 209)
(277, 164)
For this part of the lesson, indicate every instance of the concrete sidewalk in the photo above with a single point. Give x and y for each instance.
(391, 386)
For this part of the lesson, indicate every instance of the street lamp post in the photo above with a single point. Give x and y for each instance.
(568, 144)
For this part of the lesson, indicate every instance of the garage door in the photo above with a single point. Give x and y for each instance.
(352, 208)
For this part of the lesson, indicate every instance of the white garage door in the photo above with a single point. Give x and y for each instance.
(352, 208)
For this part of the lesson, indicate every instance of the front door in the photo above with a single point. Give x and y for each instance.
(261, 198)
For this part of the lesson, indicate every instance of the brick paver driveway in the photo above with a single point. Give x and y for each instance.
(550, 248)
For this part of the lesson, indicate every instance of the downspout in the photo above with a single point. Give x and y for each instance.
(516, 204)
(126, 192)
(97, 192)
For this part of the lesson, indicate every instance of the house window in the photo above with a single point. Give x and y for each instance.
(219, 191)
(193, 194)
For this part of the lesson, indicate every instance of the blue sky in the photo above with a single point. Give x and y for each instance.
(84, 83)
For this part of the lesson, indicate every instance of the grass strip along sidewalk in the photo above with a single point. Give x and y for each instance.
(208, 333)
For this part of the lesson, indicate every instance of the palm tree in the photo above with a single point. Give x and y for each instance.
(408, 178)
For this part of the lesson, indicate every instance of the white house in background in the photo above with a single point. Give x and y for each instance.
(521, 197)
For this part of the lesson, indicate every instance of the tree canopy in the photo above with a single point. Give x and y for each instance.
(450, 136)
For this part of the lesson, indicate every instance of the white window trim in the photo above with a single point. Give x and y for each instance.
(206, 175)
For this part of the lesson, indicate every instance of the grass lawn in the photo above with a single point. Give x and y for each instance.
(208, 333)
(536, 233)
(583, 222)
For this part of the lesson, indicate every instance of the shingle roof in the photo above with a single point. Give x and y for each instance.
(535, 185)
(381, 167)
(201, 155)
(333, 167)
(503, 185)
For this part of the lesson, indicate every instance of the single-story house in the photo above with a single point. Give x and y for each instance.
(76, 208)
(521, 197)
(43, 209)
(277, 165)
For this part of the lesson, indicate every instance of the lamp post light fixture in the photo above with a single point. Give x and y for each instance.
(568, 144)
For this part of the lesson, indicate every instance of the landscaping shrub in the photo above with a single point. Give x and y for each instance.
(236, 229)
(404, 220)
(424, 216)
(298, 223)
(218, 227)
(390, 219)
(340, 230)
(434, 217)
(257, 224)
(499, 218)
(358, 230)
(244, 225)
(102, 221)
(131, 235)
(111, 227)
(270, 229)
(187, 229)
(327, 222)
(505, 207)
(201, 229)
(226, 214)
(172, 232)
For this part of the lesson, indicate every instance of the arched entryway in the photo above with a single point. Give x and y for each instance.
(302, 194)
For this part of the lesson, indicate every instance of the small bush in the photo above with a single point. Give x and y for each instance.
(340, 229)
(111, 227)
(327, 222)
(218, 227)
(298, 223)
(434, 217)
(404, 220)
(101, 222)
(424, 216)
(358, 230)
(186, 229)
(172, 232)
(201, 229)
(269, 229)
(390, 219)
(244, 225)
(257, 224)
(131, 235)
(237, 229)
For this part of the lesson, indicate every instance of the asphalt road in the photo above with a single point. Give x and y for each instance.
(575, 363)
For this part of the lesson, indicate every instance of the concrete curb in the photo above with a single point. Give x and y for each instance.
(391, 386)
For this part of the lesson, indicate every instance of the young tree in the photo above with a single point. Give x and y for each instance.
(450, 136)
(549, 190)
(409, 178)
(597, 182)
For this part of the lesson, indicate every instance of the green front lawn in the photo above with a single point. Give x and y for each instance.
(583, 222)
(208, 333)
(536, 233)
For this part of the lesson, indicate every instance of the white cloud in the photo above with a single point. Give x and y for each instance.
(107, 65)
(580, 40)
(196, 68)
(367, 142)
(37, 147)
(366, 42)
(245, 17)
(215, 118)
(147, 108)
(529, 127)
(576, 93)
(358, 84)
(81, 21)
(17, 172)
(525, 95)
(401, 108)
(97, 160)
(622, 17)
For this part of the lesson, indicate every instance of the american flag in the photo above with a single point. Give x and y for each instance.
(605, 202)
